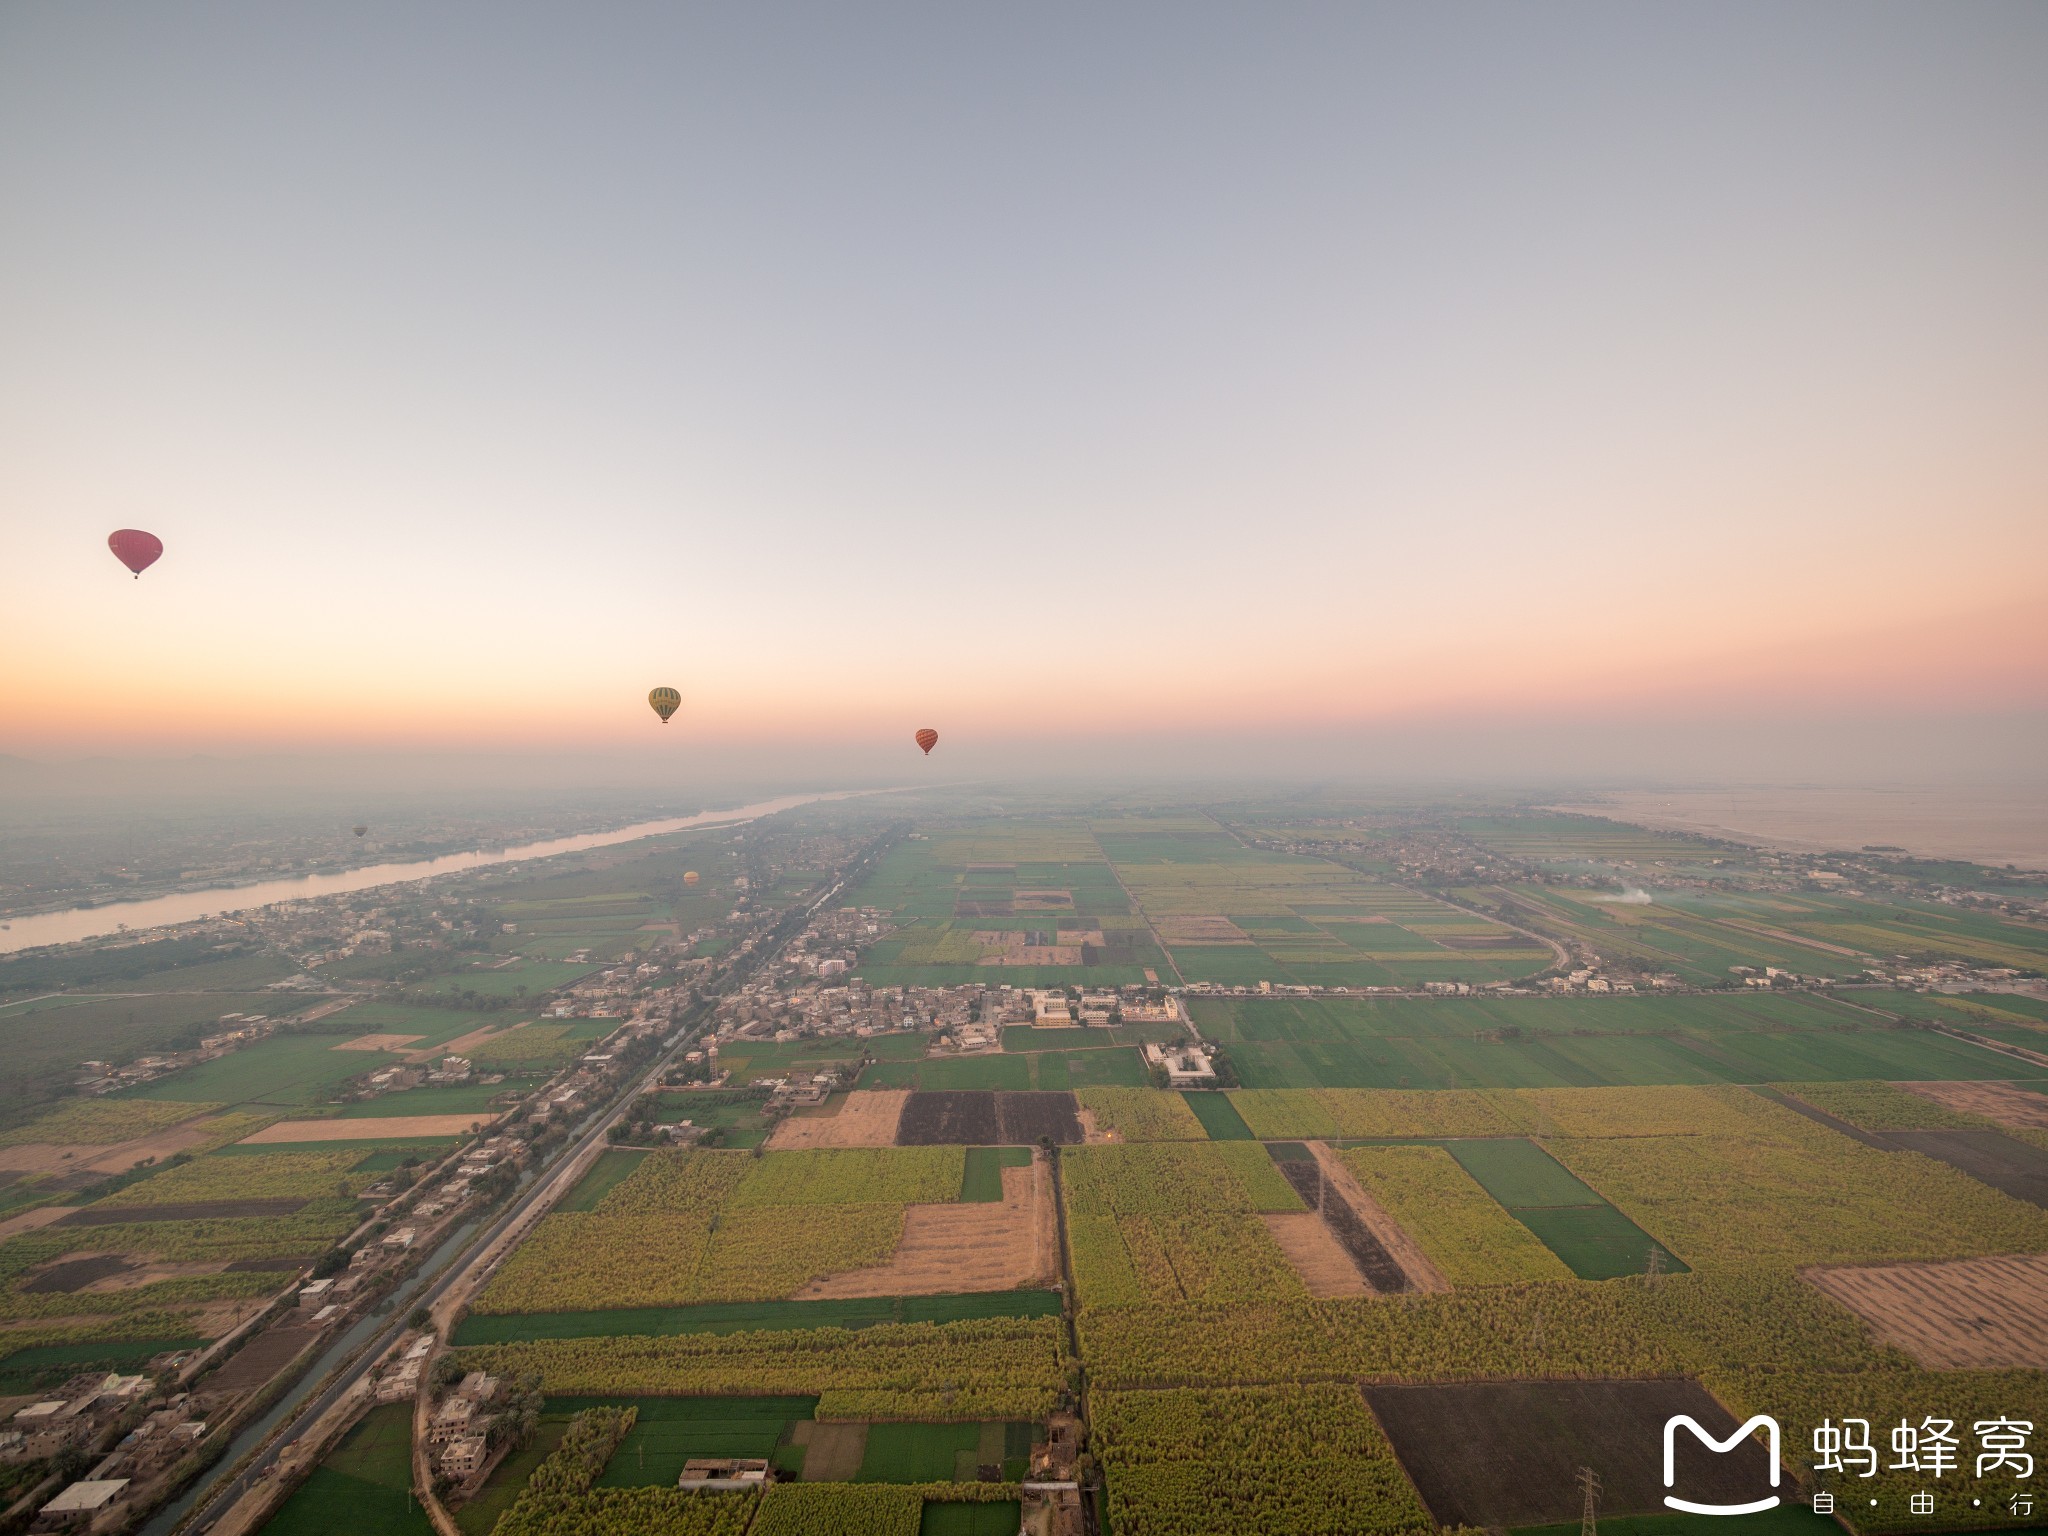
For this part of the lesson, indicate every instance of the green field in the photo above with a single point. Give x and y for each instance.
(1219, 1116)
(380, 1154)
(983, 1180)
(671, 1430)
(438, 1099)
(943, 1453)
(1576, 1042)
(47, 1364)
(1054, 1071)
(744, 1317)
(283, 1072)
(363, 1488)
(1567, 1216)
(736, 1115)
(39, 1061)
(613, 1167)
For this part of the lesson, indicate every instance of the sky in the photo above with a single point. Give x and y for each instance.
(1066, 377)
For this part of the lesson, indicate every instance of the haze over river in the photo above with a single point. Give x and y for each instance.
(75, 923)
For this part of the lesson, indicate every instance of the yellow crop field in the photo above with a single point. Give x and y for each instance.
(1329, 1113)
(1462, 1228)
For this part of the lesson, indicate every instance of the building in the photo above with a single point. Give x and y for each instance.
(464, 1458)
(79, 1503)
(452, 1421)
(723, 1474)
(1049, 1010)
(1185, 1066)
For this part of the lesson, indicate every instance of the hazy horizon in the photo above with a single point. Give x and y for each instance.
(1129, 383)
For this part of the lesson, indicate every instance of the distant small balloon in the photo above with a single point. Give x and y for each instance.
(135, 549)
(690, 877)
(927, 738)
(665, 702)
(361, 830)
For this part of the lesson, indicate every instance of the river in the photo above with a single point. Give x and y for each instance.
(75, 923)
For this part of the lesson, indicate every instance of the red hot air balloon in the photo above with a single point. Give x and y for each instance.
(135, 549)
(927, 738)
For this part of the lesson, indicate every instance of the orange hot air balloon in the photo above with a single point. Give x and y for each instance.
(690, 877)
(135, 549)
(927, 738)
(665, 702)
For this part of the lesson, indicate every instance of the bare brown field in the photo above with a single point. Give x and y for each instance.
(29, 1221)
(1183, 929)
(269, 1352)
(1042, 954)
(970, 1246)
(377, 1043)
(866, 1117)
(834, 1449)
(94, 1273)
(1965, 1315)
(2009, 1106)
(1423, 1275)
(459, 1044)
(46, 1157)
(1316, 1255)
(391, 1127)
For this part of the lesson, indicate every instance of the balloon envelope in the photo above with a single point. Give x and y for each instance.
(361, 830)
(927, 738)
(690, 877)
(665, 702)
(135, 549)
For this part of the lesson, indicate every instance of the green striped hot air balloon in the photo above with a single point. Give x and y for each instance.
(665, 702)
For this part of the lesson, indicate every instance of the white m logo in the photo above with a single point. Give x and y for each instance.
(1671, 1461)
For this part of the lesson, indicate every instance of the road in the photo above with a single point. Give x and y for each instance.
(483, 1249)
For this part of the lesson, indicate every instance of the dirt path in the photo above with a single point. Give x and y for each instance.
(1403, 1249)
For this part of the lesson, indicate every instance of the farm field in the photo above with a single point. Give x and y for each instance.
(688, 1227)
(1595, 1241)
(988, 1119)
(1054, 1071)
(1218, 1116)
(363, 1488)
(1178, 896)
(282, 1072)
(38, 1058)
(1969, 1314)
(1575, 1042)
(866, 1117)
(1506, 1453)
(753, 1316)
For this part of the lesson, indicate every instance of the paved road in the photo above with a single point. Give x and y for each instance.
(543, 1189)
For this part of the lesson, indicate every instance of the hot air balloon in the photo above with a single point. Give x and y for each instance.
(135, 549)
(690, 877)
(927, 738)
(361, 830)
(665, 702)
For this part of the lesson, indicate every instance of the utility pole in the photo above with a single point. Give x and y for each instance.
(1654, 1269)
(1589, 1483)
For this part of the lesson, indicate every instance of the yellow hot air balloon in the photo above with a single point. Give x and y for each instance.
(665, 702)
(690, 877)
